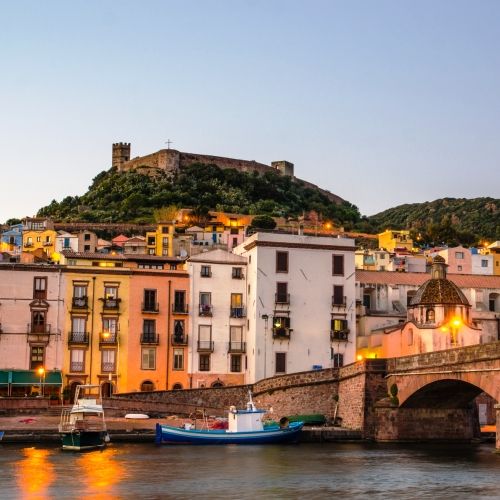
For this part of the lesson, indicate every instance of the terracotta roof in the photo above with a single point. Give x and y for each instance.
(131, 257)
(417, 279)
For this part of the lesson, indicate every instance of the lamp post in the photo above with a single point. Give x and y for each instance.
(41, 373)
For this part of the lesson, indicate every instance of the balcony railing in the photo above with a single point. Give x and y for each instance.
(150, 338)
(108, 338)
(108, 367)
(205, 346)
(237, 347)
(237, 312)
(281, 332)
(206, 309)
(80, 302)
(76, 366)
(43, 329)
(78, 338)
(282, 298)
(47, 243)
(180, 308)
(339, 335)
(339, 301)
(28, 245)
(150, 307)
(179, 339)
(111, 303)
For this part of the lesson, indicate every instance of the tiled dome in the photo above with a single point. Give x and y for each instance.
(439, 291)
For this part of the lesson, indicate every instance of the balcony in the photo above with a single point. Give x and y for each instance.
(282, 298)
(179, 339)
(76, 367)
(108, 367)
(237, 347)
(180, 308)
(111, 304)
(47, 243)
(107, 339)
(80, 302)
(38, 333)
(339, 301)
(28, 245)
(237, 312)
(150, 307)
(206, 310)
(150, 338)
(339, 335)
(281, 332)
(205, 346)
(78, 338)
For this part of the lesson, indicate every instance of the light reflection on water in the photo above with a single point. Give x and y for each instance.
(352, 470)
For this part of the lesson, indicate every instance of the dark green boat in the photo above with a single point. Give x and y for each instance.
(82, 426)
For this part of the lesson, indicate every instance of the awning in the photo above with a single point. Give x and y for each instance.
(27, 377)
(4, 377)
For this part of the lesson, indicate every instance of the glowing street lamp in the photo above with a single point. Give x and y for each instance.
(41, 373)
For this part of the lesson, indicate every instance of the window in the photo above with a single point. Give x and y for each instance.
(280, 362)
(281, 262)
(237, 273)
(237, 305)
(179, 331)
(36, 357)
(40, 288)
(108, 357)
(109, 329)
(180, 301)
(339, 325)
(484, 263)
(149, 327)
(86, 237)
(338, 265)
(338, 295)
(150, 301)
(38, 322)
(459, 268)
(178, 359)
(205, 303)
(338, 359)
(430, 316)
(177, 387)
(148, 358)
(78, 328)
(204, 362)
(204, 336)
(410, 336)
(206, 271)
(79, 291)
(77, 360)
(151, 240)
(236, 338)
(236, 363)
(86, 248)
(367, 300)
(110, 292)
(282, 296)
(459, 255)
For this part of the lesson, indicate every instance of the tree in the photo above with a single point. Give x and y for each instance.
(263, 222)
(166, 214)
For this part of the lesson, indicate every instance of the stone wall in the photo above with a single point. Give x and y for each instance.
(15, 405)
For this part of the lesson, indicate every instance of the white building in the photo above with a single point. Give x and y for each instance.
(218, 347)
(481, 264)
(301, 303)
(66, 241)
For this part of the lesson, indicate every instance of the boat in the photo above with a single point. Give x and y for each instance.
(244, 426)
(83, 427)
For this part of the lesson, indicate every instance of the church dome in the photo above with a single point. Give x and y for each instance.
(439, 289)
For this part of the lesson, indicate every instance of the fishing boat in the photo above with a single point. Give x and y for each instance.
(244, 426)
(83, 427)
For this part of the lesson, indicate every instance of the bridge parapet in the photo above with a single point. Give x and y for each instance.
(461, 355)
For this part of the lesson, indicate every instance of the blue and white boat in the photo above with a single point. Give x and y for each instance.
(244, 427)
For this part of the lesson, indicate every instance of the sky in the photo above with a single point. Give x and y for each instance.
(380, 102)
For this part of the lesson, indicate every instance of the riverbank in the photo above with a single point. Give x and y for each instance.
(40, 429)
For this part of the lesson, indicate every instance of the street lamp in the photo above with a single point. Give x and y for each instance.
(41, 373)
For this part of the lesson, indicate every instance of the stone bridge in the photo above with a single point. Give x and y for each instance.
(432, 394)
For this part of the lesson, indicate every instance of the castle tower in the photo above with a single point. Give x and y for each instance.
(284, 167)
(121, 154)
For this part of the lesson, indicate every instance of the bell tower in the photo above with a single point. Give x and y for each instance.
(121, 154)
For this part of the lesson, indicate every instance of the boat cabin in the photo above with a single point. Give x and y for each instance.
(248, 420)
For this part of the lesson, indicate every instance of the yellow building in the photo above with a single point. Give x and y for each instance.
(39, 236)
(391, 240)
(161, 241)
(494, 249)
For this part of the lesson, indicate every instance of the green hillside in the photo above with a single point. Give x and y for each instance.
(133, 197)
(457, 219)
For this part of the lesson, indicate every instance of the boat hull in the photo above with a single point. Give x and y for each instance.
(83, 440)
(174, 435)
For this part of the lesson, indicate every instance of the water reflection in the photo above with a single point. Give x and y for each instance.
(35, 473)
(99, 472)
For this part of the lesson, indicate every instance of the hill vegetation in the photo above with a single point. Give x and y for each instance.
(448, 220)
(134, 197)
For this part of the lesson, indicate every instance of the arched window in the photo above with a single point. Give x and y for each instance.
(177, 387)
(430, 316)
(107, 389)
(147, 386)
(217, 383)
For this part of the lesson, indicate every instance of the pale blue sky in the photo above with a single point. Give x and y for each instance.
(381, 102)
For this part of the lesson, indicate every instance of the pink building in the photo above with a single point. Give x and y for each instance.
(459, 260)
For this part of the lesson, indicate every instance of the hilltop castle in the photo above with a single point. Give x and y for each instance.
(171, 160)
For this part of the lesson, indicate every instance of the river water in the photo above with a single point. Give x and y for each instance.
(306, 470)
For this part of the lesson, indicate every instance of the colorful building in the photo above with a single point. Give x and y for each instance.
(391, 240)
(39, 237)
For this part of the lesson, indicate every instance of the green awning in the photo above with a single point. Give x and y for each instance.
(4, 377)
(26, 377)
